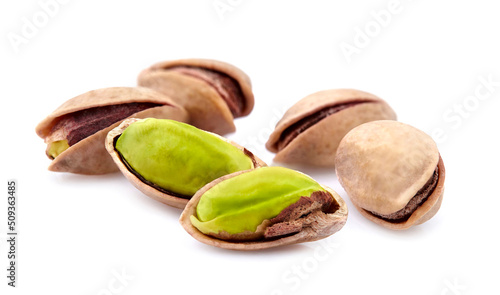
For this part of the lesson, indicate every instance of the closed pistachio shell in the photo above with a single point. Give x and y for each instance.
(87, 119)
(311, 130)
(213, 92)
(169, 161)
(392, 172)
(263, 208)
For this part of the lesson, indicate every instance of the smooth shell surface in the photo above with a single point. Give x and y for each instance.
(166, 198)
(323, 225)
(423, 213)
(89, 155)
(383, 164)
(206, 108)
(318, 144)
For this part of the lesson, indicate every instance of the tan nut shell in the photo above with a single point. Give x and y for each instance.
(150, 191)
(383, 164)
(324, 225)
(318, 144)
(206, 108)
(89, 155)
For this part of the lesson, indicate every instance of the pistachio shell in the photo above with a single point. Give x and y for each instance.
(318, 144)
(257, 185)
(205, 106)
(199, 149)
(383, 164)
(89, 155)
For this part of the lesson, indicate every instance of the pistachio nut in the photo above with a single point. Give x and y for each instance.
(311, 130)
(263, 208)
(392, 172)
(75, 131)
(213, 92)
(169, 160)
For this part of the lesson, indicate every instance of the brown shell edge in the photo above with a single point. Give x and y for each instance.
(423, 213)
(103, 97)
(207, 109)
(318, 144)
(326, 226)
(236, 73)
(314, 102)
(146, 189)
(90, 157)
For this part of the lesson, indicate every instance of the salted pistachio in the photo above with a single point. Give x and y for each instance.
(311, 130)
(392, 172)
(213, 92)
(75, 132)
(263, 208)
(169, 161)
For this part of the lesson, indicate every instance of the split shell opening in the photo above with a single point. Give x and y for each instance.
(213, 92)
(76, 130)
(263, 208)
(311, 130)
(392, 172)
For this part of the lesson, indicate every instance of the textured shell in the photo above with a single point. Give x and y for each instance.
(318, 144)
(155, 194)
(207, 109)
(325, 225)
(383, 164)
(89, 156)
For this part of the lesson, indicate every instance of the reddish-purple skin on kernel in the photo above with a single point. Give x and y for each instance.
(291, 219)
(227, 87)
(420, 197)
(82, 124)
(297, 128)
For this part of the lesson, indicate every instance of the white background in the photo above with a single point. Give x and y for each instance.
(99, 235)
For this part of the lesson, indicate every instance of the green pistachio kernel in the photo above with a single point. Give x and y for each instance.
(243, 202)
(57, 147)
(178, 157)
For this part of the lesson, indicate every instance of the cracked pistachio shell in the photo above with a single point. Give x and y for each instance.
(206, 108)
(318, 144)
(89, 155)
(239, 206)
(169, 161)
(383, 164)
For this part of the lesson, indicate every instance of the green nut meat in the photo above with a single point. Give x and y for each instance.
(261, 208)
(174, 158)
(178, 157)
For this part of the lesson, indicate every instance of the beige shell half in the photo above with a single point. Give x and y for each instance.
(150, 191)
(318, 144)
(423, 213)
(89, 155)
(206, 108)
(323, 226)
(383, 164)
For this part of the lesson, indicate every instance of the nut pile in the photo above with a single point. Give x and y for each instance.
(166, 137)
